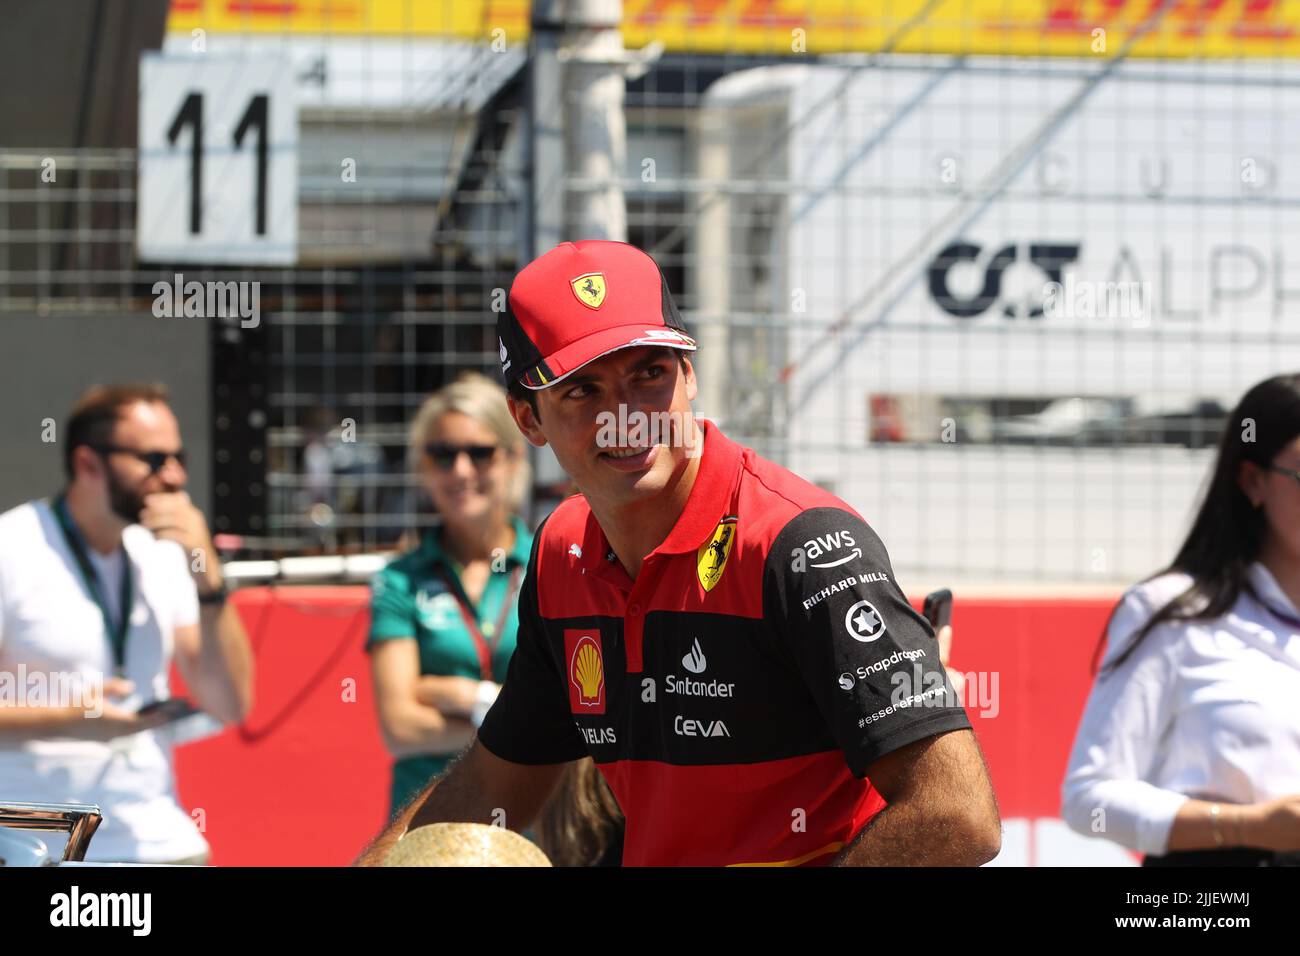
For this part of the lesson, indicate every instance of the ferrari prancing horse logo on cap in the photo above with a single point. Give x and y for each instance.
(589, 289)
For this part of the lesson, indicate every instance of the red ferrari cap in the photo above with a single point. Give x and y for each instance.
(580, 301)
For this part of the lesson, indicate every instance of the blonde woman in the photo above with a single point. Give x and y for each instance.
(443, 615)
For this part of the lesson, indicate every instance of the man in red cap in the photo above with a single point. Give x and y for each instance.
(724, 639)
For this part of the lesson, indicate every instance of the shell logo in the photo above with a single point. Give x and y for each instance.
(586, 666)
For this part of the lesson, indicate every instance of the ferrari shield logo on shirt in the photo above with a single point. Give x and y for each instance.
(711, 559)
(586, 670)
(589, 289)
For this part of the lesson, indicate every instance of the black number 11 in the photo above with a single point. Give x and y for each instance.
(191, 113)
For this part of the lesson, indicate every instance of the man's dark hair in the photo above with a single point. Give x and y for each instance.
(520, 393)
(95, 413)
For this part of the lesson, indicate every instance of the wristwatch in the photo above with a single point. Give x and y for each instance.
(217, 597)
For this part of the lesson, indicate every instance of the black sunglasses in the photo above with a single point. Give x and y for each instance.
(444, 456)
(154, 459)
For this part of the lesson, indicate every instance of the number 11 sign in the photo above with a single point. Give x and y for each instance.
(218, 161)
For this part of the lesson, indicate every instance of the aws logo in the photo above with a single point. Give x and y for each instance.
(1051, 258)
(711, 559)
(823, 545)
(586, 671)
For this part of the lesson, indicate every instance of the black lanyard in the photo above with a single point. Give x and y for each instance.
(116, 634)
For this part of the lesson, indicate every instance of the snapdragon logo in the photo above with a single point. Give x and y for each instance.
(628, 433)
(208, 300)
(850, 678)
(69, 689)
(103, 909)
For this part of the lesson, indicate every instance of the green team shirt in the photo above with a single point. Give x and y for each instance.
(410, 599)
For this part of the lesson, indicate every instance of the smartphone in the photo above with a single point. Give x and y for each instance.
(174, 708)
(938, 608)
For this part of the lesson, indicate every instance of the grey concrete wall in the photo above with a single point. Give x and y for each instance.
(47, 361)
(70, 70)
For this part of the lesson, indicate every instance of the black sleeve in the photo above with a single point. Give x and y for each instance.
(529, 722)
(870, 661)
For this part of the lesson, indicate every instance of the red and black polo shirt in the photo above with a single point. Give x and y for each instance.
(734, 694)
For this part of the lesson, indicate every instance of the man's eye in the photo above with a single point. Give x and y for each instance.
(578, 391)
(655, 371)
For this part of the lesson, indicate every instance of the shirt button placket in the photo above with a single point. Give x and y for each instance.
(632, 623)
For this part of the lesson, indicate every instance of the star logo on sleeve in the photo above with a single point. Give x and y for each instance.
(863, 622)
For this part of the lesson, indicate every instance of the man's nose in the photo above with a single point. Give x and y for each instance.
(173, 474)
(624, 395)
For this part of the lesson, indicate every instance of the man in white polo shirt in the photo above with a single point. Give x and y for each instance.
(101, 586)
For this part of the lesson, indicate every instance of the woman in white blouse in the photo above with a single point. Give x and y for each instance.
(1189, 748)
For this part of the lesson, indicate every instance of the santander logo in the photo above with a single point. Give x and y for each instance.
(695, 661)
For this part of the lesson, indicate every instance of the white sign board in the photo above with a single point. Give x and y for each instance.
(953, 234)
(218, 161)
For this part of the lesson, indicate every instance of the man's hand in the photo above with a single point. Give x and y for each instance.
(173, 516)
(105, 720)
(479, 787)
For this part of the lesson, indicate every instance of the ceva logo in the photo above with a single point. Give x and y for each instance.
(688, 727)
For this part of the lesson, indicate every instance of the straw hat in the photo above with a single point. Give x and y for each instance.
(464, 844)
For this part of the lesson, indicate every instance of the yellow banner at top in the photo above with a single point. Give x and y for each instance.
(1181, 28)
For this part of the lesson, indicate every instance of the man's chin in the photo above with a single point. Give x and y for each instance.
(127, 516)
(127, 510)
(645, 483)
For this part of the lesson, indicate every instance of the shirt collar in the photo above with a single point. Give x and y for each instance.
(1268, 590)
(709, 501)
(710, 497)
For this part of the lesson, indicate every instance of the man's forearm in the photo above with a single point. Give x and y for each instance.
(374, 854)
(225, 664)
(454, 797)
(908, 833)
(22, 722)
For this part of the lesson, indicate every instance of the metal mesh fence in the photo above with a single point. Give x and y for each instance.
(1000, 304)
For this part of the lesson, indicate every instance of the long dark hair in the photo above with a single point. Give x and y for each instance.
(1228, 532)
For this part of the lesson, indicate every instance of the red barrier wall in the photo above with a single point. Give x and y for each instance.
(305, 780)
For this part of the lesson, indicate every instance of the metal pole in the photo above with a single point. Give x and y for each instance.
(596, 131)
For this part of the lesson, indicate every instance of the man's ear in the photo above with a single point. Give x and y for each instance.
(691, 386)
(86, 462)
(526, 421)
